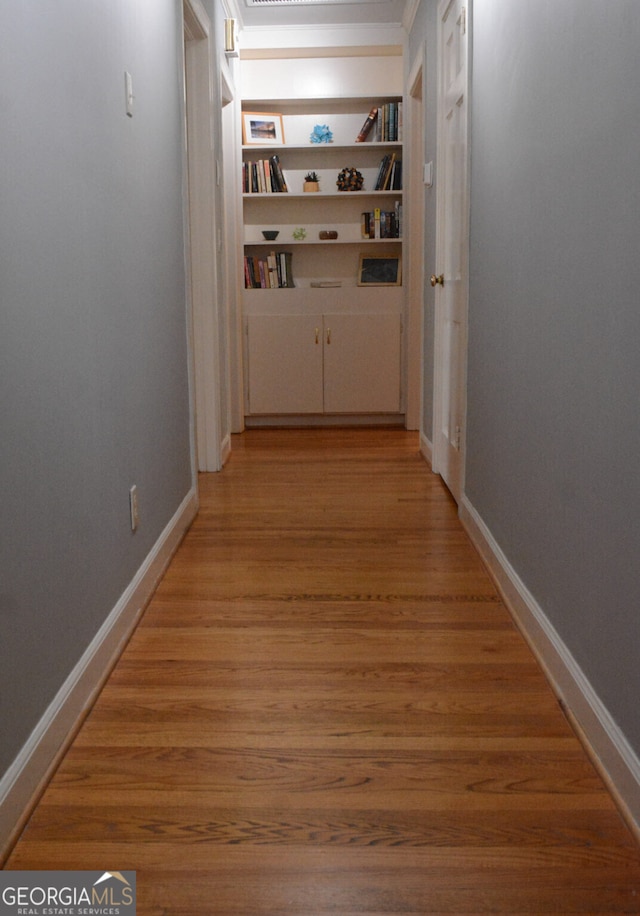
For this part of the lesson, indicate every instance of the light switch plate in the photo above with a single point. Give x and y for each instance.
(128, 94)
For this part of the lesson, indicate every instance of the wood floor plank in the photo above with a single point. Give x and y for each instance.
(327, 711)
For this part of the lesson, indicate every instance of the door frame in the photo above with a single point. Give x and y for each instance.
(202, 279)
(439, 380)
(415, 204)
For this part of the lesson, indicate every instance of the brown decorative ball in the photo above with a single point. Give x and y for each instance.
(350, 180)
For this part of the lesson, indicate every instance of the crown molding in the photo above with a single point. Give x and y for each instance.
(377, 38)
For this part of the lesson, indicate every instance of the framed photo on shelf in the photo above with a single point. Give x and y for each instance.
(380, 270)
(262, 128)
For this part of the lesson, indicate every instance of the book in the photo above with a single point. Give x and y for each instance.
(396, 176)
(383, 181)
(277, 175)
(390, 117)
(386, 223)
(381, 171)
(386, 184)
(365, 130)
(264, 176)
(286, 273)
(271, 272)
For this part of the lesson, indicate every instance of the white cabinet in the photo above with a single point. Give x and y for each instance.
(340, 363)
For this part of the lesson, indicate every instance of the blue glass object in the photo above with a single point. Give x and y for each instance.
(321, 134)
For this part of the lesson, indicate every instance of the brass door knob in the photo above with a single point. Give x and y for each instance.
(437, 281)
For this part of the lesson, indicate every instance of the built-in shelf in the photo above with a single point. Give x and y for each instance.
(350, 334)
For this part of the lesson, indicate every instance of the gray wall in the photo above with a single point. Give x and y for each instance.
(554, 347)
(93, 358)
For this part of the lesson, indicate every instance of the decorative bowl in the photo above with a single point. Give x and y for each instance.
(270, 234)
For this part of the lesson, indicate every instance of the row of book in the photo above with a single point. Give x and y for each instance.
(390, 119)
(263, 177)
(272, 272)
(389, 174)
(382, 124)
(382, 224)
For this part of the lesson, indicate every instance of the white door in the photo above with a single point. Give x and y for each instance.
(450, 277)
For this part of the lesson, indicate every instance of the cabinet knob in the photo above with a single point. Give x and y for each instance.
(328, 335)
(437, 281)
(317, 336)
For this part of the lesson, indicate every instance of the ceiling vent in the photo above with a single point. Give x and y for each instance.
(302, 2)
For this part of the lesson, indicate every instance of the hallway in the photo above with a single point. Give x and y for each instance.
(327, 710)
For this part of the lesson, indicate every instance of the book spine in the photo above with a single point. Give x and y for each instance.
(396, 180)
(272, 275)
(288, 260)
(266, 176)
(387, 175)
(280, 183)
(381, 172)
(368, 124)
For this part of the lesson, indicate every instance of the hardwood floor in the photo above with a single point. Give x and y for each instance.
(327, 710)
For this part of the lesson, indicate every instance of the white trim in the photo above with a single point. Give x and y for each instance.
(196, 20)
(233, 238)
(201, 201)
(607, 745)
(414, 147)
(274, 40)
(28, 775)
(296, 421)
(426, 448)
(225, 451)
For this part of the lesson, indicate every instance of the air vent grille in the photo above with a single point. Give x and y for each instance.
(302, 2)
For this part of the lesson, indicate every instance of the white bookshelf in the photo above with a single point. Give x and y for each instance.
(365, 324)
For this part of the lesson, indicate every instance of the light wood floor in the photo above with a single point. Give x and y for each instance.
(327, 710)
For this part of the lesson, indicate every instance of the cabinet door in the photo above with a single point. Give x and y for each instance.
(285, 364)
(362, 363)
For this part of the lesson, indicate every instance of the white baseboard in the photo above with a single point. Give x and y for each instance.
(426, 449)
(609, 749)
(225, 450)
(24, 781)
(319, 421)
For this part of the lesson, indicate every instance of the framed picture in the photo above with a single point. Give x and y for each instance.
(262, 128)
(380, 270)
